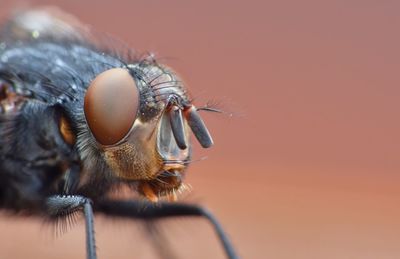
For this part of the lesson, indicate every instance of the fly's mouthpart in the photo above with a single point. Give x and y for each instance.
(167, 184)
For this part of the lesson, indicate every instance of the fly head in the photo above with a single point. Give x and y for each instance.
(139, 117)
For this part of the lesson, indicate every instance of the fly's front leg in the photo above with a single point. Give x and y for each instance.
(63, 205)
(150, 211)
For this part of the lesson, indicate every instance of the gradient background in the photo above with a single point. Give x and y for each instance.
(308, 166)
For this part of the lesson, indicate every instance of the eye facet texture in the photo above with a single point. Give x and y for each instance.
(111, 105)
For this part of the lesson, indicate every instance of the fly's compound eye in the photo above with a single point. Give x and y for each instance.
(111, 105)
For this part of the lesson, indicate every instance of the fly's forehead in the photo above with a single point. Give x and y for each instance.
(156, 86)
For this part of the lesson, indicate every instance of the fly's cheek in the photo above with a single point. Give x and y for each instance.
(111, 105)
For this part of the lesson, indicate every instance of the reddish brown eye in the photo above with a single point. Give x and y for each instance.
(111, 105)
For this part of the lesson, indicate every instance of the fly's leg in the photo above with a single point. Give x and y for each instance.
(63, 205)
(149, 211)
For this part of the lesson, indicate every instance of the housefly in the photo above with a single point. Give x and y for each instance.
(79, 120)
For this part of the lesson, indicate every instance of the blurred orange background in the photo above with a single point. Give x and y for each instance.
(308, 165)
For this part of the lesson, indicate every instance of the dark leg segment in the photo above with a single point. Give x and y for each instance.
(59, 206)
(140, 210)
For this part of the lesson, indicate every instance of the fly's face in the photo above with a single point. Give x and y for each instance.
(140, 118)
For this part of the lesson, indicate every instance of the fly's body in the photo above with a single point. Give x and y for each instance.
(78, 120)
(44, 85)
